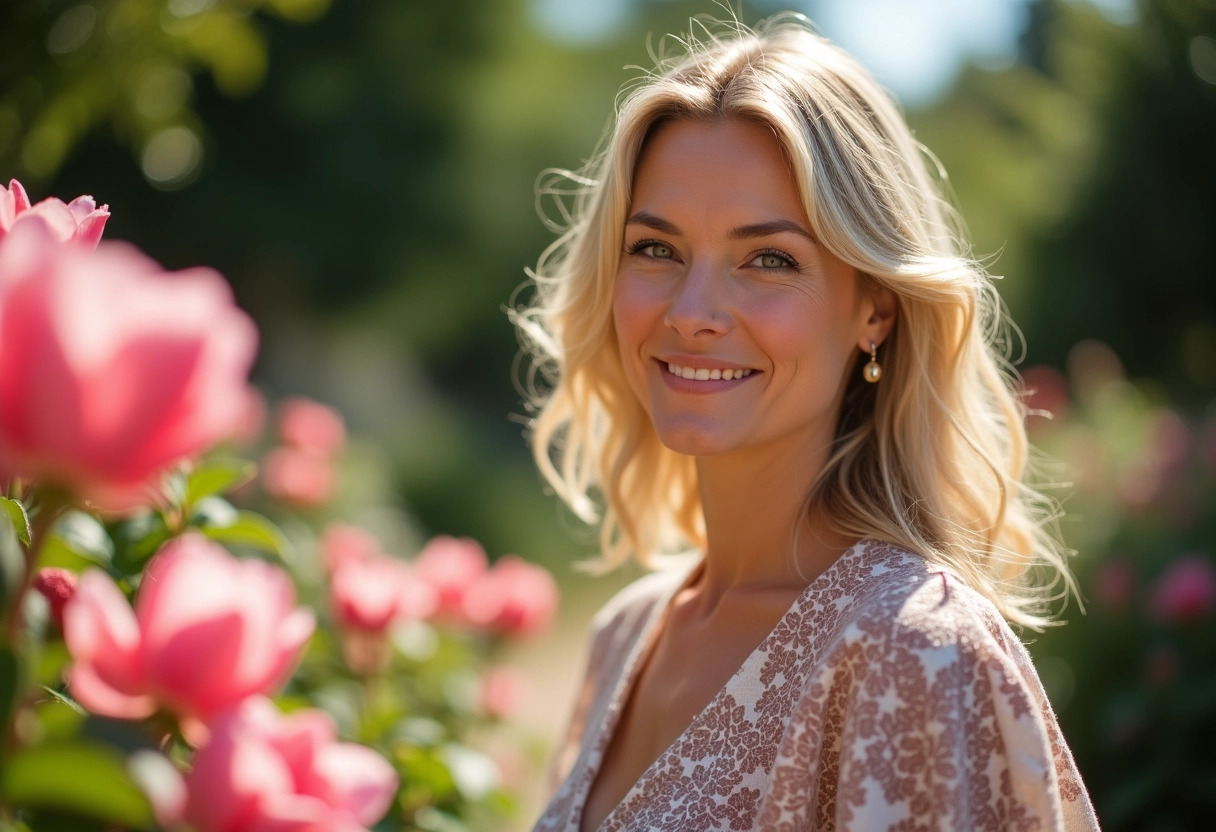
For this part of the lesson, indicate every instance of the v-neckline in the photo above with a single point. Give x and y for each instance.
(643, 647)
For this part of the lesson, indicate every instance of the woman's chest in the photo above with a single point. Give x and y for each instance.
(690, 681)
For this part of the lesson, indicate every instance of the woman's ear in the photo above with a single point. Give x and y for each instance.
(881, 306)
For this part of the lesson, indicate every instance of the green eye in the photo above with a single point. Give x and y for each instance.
(661, 251)
(771, 261)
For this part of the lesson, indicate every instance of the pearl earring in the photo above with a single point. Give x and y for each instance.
(872, 372)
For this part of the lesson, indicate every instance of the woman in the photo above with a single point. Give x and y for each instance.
(765, 339)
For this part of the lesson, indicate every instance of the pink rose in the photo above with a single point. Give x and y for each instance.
(111, 369)
(502, 689)
(311, 426)
(451, 566)
(514, 598)
(57, 586)
(370, 593)
(298, 478)
(340, 543)
(266, 771)
(1186, 592)
(80, 221)
(207, 631)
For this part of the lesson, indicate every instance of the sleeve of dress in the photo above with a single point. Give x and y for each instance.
(567, 748)
(943, 725)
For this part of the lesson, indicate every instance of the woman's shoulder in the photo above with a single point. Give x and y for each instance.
(911, 602)
(624, 617)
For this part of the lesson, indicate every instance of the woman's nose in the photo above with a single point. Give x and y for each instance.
(697, 308)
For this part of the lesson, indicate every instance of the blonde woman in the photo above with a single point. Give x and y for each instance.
(765, 342)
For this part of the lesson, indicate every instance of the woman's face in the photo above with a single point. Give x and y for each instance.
(736, 329)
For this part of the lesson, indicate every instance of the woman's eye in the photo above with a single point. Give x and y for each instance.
(774, 260)
(652, 249)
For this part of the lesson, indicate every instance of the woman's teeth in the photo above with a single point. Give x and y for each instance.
(704, 374)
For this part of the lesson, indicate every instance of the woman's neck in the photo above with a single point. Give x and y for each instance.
(761, 535)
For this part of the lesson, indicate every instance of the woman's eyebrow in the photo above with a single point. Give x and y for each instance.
(764, 229)
(651, 221)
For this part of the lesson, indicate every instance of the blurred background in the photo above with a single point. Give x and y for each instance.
(362, 171)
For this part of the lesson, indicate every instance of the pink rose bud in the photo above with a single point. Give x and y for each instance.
(80, 221)
(266, 771)
(514, 598)
(452, 566)
(298, 478)
(502, 689)
(1186, 593)
(207, 631)
(311, 426)
(340, 543)
(111, 369)
(57, 586)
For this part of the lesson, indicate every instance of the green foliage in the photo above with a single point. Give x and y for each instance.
(81, 777)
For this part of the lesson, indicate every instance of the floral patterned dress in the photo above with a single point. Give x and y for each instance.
(890, 696)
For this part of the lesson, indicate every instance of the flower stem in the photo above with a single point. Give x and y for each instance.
(43, 521)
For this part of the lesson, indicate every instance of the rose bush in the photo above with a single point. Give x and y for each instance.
(117, 380)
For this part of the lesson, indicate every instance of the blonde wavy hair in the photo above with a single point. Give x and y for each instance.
(934, 458)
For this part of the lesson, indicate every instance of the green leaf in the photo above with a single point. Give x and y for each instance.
(21, 520)
(250, 530)
(139, 537)
(12, 560)
(81, 777)
(214, 511)
(215, 476)
(82, 535)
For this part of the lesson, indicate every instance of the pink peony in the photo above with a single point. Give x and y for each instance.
(266, 771)
(452, 566)
(80, 221)
(311, 426)
(514, 598)
(57, 586)
(298, 478)
(1186, 592)
(111, 369)
(207, 631)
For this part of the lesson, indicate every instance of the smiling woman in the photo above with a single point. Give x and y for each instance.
(765, 344)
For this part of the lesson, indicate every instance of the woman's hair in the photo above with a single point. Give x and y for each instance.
(932, 458)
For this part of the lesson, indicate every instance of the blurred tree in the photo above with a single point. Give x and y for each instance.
(1088, 167)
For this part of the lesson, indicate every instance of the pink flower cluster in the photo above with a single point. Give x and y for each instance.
(451, 582)
(300, 471)
(210, 635)
(111, 369)
(512, 598)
